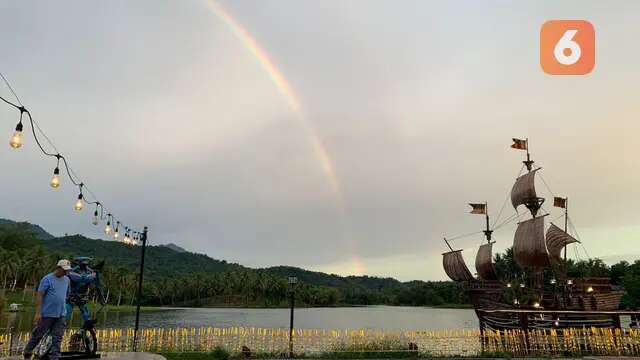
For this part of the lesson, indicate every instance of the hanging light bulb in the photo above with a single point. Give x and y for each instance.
(95, 217)
(569, 282)
(590, 289)
(55, 180)
(508, 285)
(557, 322)
(516, 302)
(79, 204)
(116, 233)
(107, 228)
(553, 281)
(16, 139)
(522, 285)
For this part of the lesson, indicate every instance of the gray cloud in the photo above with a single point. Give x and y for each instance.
(174, 124)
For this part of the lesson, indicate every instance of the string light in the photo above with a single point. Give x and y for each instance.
(55, 180)
(536, 304)
(107, 228)
(590, 289)
(16, 139)
(116, 233)
(16, 142)
(80, 203)
(508, 285)
(95, 214)
(553, 281)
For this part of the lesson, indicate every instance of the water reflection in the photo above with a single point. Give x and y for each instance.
(371, 317)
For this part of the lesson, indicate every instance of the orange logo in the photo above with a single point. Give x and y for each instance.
(567, 47)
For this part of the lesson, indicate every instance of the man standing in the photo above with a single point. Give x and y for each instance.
(50, 310)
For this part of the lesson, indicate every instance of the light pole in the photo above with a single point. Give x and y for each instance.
(292, 291)
(143, 238)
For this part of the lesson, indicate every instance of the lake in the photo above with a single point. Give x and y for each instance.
(368, 317)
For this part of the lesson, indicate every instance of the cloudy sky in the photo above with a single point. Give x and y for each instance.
(342, 136)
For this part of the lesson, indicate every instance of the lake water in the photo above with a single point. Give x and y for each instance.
(370, 317)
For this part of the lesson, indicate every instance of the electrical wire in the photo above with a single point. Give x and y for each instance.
(71, 174)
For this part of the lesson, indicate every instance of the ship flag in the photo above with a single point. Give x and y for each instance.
(478, 208)
(520, 144)
(560, 202)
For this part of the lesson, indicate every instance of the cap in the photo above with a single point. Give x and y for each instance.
(64, 264)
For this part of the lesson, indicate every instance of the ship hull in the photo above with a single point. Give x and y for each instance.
(556, 310)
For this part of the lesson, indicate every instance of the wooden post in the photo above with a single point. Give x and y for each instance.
(524, 325)
(482, 328)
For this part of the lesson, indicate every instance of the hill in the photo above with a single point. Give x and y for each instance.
(38, 231)
(174, 276)
(175, 247)
(160, 261)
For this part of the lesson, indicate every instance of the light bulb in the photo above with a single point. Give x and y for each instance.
(557, 322)
(522, 285)
(79, 204)
(116, 235)
(55, 180)
(569, 282)
(95, 218)
(508, 285)
(536, 304)
(553, 281)
(516, 302)
(107, 229)
(16, 139)
(590, 289)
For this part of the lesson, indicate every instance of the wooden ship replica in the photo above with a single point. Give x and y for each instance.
(541, 295)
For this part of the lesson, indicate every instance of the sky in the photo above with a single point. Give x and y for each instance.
(339, 136)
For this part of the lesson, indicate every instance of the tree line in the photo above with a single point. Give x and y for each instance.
(186, 279)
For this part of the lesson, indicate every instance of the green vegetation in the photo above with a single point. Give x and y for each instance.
(174, 277)
(622, 274)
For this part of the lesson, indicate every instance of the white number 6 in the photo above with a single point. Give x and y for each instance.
(566, 42)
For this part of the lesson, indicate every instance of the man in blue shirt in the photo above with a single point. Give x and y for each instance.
(50, 310)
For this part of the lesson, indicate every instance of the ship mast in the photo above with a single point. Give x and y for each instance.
(528, 163)
(488, 231)
(534, 204)
(566, 220)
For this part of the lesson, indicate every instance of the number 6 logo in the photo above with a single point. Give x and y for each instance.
(567, 47)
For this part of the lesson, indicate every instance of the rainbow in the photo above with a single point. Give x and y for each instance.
(318, 147)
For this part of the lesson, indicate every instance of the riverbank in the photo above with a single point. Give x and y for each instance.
(27, 303)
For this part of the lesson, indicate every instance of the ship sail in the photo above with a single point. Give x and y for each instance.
(455, 266)
(524, 190)
(484, 265)
(557, 239)
(529, 247)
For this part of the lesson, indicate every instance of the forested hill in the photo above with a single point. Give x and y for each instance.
(164, 262)
(36, 230)
(174, 276)
(160, 261)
